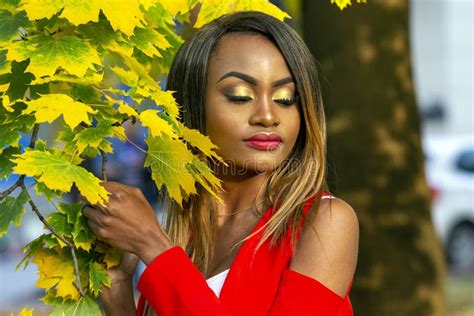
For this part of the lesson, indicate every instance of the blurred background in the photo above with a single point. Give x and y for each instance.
(419, 86)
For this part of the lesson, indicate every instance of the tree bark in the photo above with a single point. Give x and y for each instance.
(375, 154)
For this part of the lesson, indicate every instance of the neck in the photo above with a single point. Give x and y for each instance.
(240, 191)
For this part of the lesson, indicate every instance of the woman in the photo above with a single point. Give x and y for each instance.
(247, 81)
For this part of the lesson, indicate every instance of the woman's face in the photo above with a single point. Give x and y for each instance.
(251, 108)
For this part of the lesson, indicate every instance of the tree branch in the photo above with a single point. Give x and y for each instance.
(59, 236)
(19, 182)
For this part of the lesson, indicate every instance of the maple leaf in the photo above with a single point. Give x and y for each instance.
(45, 166)
(148, 40)
(168, 159)
(11, 211)
(212, 9)
(50, 106)
(124, 17)
(9, 25)
(97, 276)
(93, 136)
(203, 174)
(156, 125)
(82, 235)
(6, 163)
(200, 141)
(344, 3)
(48, 53)
(25, 312)
(86, 305)
(56, 270)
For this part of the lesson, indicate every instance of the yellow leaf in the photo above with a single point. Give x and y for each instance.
(156, 125)
(50, 106)
(6, 103)
(124, 108)
(172, 6)
(130, 78)
(163, 99)
(25, 312)
(48, 53)
(80, 11)
(168, 160)
(56, 270)
(123, 15)
(120, 133)
(200, 141)
(212, 9)
(46, 167)
(344, 3)
(4, 87)
(39, 9)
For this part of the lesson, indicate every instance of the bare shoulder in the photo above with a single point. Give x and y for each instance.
(328, 246)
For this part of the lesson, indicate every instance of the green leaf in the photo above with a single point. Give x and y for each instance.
(98, 276)
(168, 159)
(30, 249)
(5, 162)
(11, 211)
(42, 189)
(9, 25)
(81, 233)
(148, 40)
(45, 166)
(48, 53)
(86, 305)
(93, 136)
(60, 224)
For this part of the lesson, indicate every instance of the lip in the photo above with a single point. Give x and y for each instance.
(264, 141)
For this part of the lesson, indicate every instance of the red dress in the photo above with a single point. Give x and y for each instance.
(263, 286)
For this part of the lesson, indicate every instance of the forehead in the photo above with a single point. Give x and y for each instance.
(249, 53)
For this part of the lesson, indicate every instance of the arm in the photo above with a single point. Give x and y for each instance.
(174, 286)
(323, 266)
(118, 298)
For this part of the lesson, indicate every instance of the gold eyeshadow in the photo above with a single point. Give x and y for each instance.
(283, 94)
(240, 91)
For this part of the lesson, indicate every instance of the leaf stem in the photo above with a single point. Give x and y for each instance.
(58, 235)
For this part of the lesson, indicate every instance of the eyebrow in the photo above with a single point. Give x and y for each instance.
(254, 81)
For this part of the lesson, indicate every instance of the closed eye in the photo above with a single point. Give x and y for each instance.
(287, 101)
(238, 98)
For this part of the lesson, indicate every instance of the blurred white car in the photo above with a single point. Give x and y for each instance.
(450, 172)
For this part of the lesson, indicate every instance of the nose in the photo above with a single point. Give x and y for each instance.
(264, 114)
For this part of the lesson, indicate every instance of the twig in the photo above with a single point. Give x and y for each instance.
(59, 236)
(19, 182)
(104, 162)
(34, 135)
(7, 192)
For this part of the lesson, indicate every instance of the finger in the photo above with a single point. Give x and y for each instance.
(96, 229)
(94, 215)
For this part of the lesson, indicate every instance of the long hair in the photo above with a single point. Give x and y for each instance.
(300, 177)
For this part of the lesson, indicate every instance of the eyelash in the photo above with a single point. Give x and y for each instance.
(241, 99)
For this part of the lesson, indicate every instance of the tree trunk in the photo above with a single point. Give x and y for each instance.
(375, 154)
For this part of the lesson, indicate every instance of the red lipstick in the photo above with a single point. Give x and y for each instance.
(264, 141)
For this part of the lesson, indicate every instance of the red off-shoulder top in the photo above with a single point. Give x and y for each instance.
(262, 285)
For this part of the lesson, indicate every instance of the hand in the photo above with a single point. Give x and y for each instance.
(127, 222)
(118, 298)
(125, 270)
